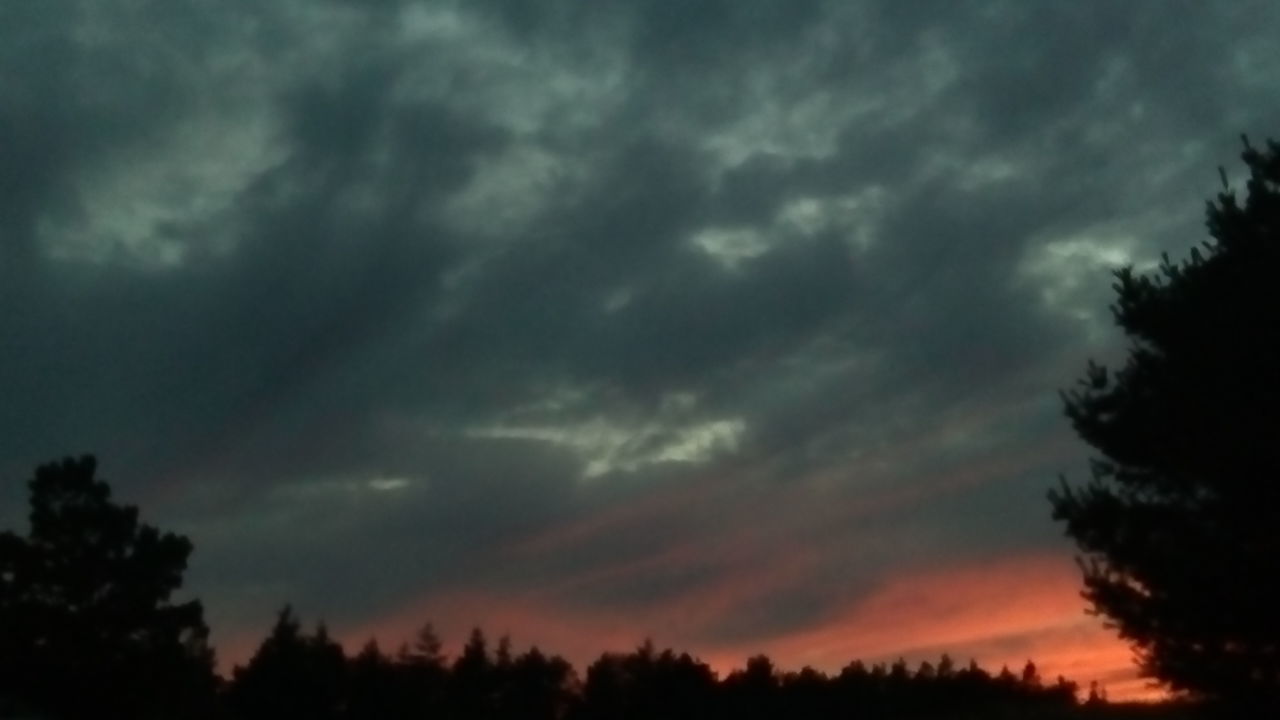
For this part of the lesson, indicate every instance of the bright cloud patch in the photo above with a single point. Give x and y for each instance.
(606, 448)
(729, 248)
(1067, 270)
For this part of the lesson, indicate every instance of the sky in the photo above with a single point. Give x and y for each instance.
(733, 324)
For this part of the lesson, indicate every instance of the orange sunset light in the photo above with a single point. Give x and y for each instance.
(999, 613)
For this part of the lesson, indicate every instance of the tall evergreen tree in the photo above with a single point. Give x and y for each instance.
(1180, 526)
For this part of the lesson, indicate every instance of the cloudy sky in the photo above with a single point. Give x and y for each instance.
(734, 324)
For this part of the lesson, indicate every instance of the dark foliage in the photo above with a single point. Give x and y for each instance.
(299, 675)
(647, 684)
(1180, 526)
(87, 628)
(295, 675)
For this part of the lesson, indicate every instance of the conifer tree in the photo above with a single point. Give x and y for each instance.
(1180, 525)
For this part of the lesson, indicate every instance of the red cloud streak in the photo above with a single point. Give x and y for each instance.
(999, 613)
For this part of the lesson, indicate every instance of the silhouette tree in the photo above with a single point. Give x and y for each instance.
(753, 691)
(1030, 675)
(374, 687)
(537, 687)
(808, 694)
(426, 648)
(1179, 525)
(946, 667)
(648, 684)
(292, 675)
(87, 625)
(473, 684)
(423, 673)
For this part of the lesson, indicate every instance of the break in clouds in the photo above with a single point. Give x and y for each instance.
(717, 322)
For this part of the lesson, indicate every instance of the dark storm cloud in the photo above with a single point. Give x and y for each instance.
(70, 108)
(230, 342)
(435, 280)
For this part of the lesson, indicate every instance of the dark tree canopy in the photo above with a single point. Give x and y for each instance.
(293, 674)
(1180, 526)
(87, 626)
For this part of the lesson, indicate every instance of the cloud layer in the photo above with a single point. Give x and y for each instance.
(738, 324)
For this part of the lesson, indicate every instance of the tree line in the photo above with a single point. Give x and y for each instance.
(307, 674)
(89, 629)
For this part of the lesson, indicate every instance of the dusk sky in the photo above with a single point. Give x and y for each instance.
(736, 325)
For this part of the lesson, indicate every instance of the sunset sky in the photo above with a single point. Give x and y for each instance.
(736, 325)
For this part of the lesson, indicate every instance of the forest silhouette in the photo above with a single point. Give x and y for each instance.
(88, 629)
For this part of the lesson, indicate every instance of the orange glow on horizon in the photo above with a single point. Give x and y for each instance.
(1002, 613)
(999, 613)
(745, 558)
